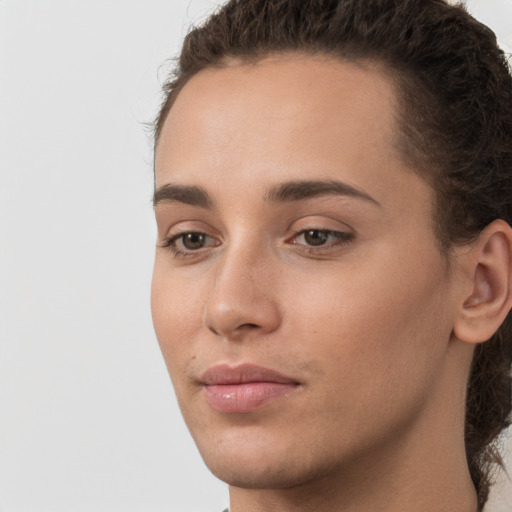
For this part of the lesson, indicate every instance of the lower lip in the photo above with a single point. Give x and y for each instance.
(246, 397)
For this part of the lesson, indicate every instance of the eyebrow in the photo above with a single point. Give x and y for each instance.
(281, 193)
(299, 190)
(187, 194)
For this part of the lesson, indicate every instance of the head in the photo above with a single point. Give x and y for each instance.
(444, 134)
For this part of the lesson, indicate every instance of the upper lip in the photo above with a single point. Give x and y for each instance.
(242, 374)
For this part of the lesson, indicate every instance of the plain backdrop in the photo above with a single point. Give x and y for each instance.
(88, 418)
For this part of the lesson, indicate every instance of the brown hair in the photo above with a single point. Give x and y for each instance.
(455, 90)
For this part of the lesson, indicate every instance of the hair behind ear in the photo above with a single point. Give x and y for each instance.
(488, 407)
(485, 319)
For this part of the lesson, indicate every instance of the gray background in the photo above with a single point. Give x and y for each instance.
(88, 419)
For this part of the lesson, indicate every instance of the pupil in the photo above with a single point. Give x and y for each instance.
(193, 240)
(315, 237)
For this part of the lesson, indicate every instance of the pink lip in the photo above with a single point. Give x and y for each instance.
(244, 388)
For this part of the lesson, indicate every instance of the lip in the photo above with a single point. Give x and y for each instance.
(244, 388)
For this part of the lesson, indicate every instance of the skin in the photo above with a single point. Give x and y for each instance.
(365, 324)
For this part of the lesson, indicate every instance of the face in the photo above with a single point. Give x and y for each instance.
(299, 298)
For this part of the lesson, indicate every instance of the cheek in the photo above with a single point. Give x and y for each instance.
(376, 325)
(176, 307)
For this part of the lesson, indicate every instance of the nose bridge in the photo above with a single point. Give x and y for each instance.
(242, 298)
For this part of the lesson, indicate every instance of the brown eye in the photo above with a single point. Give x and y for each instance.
(316, 237)
(189, 244)
(193, 241)
(321, 239)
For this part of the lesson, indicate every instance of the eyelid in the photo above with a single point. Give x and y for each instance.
(171, 240)
(181, 227)
(339, 234)
(340, 237)
(320, 221)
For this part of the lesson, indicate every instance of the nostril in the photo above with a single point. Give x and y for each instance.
(213, 330)
(237, 331)
(250, 326)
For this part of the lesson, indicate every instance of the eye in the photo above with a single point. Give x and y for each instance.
(184, 244)
(316, 237)
(321, 237)
(193, 241)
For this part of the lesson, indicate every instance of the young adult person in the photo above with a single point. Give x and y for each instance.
(332, 281)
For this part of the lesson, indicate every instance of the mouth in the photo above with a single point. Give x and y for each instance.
(244, 388)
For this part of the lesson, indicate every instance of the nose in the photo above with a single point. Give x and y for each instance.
(242, 302)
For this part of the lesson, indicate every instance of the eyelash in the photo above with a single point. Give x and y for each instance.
(170, 243)
(341, 239)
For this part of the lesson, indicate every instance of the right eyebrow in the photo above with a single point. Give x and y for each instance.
(187, 194)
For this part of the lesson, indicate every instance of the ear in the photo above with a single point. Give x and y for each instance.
(488, 266)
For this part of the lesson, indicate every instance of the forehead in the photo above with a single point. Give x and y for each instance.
(239, 129)
(280, 102)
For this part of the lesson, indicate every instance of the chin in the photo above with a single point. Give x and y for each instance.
(255, 462)
(254, 474)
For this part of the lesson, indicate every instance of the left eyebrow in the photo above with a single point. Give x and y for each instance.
(307, 189)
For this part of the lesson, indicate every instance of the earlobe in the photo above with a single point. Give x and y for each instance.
(489, 265)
